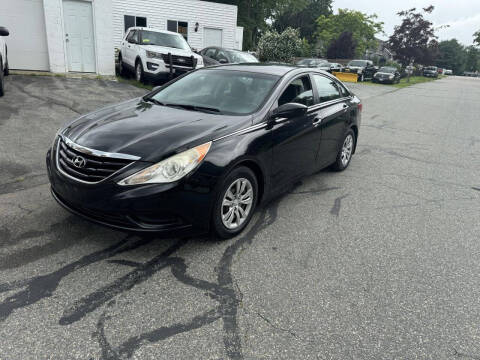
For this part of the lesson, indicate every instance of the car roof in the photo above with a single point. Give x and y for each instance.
(272, 69)
(262, 68)
(223, 48)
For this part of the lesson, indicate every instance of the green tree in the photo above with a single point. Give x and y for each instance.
(362, 26)
(414, 39)
(343, 47)
(280, 47)
(301, 14)
(476, 38)
(451, 55)
(472, 59)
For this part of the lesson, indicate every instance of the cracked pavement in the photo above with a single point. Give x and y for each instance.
(378, 262)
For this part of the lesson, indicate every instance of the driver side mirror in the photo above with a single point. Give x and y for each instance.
(289, 111)
(4, 31)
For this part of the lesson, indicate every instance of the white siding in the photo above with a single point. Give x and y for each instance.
(207, 14)
(102, 18)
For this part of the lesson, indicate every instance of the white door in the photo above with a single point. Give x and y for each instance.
(27, 43)
(78, 22)
(212, 37)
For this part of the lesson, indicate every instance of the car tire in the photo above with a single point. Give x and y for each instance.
(235, 203)
(345, 153)
(2, 81)
(6, 71)
(121, 67)
(139, 75)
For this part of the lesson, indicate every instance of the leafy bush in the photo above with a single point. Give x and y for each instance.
(283, 47)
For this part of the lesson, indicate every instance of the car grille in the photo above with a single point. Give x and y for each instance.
(185, 61)
(85, 167)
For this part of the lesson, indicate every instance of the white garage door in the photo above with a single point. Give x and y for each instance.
(212, 37)
(27, 43)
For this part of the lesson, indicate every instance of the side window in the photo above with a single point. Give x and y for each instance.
(299, 91)
(221, 55)
(133, 38)
(210, 53)
(130, 34)
(343, 90)
(326, 88)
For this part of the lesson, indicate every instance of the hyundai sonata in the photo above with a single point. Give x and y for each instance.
(201, 152)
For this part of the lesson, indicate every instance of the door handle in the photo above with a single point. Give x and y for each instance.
(345, 107)
(317, 121)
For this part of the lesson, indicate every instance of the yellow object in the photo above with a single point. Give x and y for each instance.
(349, 77)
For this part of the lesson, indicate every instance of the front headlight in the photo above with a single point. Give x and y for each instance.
(359, 71)
(390, 76)
(154, 55)
(169, 170)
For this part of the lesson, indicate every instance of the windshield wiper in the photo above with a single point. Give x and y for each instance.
(196, 108)
(152, 100)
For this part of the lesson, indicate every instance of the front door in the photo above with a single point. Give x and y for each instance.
(78, 21)
(332, 114)
(295, 140)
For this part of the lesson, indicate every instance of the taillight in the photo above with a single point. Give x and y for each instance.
(360, 107)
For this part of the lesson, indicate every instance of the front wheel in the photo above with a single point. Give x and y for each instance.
(235, 203)
(346, 151)
(139, 72)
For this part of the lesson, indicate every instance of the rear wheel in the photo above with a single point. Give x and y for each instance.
(235, 203)
(346, 151)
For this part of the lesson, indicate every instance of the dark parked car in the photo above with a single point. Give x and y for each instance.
(311, 63)
(430, 71)
(201, 152)
(330, 67)
(227, 56)
(364, 69)
(387, 74)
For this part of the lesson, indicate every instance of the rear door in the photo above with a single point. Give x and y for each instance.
(331, 117)
(294, 141)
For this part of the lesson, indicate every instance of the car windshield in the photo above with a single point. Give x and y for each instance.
(431, 68)
(164, 39)
(241, 57)
(218, 91)
(387, 69)
(357, 63)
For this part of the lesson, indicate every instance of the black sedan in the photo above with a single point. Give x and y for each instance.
(201, 152)
(387, 74)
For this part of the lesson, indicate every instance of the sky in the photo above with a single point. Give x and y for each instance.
(463, 16)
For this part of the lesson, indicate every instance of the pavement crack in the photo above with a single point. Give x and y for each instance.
(272, 324)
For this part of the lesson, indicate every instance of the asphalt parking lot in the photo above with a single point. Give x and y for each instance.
(378, 262)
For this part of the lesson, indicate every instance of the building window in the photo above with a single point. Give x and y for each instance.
(180, 27)
(131, 21)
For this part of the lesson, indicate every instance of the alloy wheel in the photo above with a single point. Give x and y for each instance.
(347, 150)
(237, 203)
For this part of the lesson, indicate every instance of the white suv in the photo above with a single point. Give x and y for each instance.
(3, 59)
(156, 55)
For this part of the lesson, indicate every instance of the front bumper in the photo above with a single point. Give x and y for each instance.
(177, 209)
(157, 69)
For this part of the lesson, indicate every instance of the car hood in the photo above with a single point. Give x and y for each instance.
(166, 50)
(149, 131)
